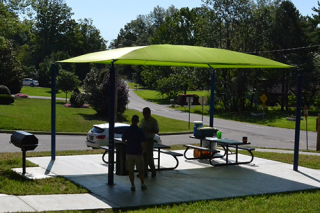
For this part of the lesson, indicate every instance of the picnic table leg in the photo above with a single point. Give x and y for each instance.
(105, 152)
(236, 154)
(227, 154)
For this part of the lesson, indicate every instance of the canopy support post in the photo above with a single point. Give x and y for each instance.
(111, 124)
(297, 130)
(53, 69)
(213, 80)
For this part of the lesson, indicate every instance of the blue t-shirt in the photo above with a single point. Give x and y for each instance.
(134, 137)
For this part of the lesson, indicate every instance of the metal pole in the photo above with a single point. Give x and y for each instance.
(53, 69)
(307, 131)
(213, 79)
(189, 112)
(297, 130)
(23, 161)
(318, 133)
(202, 109)
(111, 124)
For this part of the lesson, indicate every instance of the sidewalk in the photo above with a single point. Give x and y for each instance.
(193, 180)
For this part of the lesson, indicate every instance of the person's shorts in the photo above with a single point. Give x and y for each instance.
(134, 160)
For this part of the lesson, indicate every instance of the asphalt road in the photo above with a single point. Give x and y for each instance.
(259, 136)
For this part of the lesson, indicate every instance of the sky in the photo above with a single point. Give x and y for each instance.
(110, 16)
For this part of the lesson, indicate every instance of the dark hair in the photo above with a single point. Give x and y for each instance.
(135, 118)
(147, 110)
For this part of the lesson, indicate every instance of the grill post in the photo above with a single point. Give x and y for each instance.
(23, 161)
(25, 141)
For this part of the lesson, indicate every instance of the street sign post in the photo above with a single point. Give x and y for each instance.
(189, 100)
(203, 101)
(305, 109)
(263, 98)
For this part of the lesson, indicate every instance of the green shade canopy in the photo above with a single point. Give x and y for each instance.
(177, 55)
(169, 55)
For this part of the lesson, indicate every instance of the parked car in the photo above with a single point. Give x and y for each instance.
(30, 82)
(99, 134)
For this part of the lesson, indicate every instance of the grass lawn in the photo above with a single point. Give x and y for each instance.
(41, 91)
(35, 115)
(274, 118)
(156, 97)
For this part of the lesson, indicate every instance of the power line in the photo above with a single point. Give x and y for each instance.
(285, 50)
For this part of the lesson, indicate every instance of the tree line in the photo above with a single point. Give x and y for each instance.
(272, 29)
(35, 33)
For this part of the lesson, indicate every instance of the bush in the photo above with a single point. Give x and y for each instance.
(6, 99)
(97, 92)
(19, 95)
(77, 99)
(4, 90)
(15, 86)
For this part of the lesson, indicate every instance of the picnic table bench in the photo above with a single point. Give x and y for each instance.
(211, 151)
(173, 154)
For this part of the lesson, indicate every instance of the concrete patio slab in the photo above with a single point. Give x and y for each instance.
(193, 180)
(35, 173)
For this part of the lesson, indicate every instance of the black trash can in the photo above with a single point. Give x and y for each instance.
(121, 159)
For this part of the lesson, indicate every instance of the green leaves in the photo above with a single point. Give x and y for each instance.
(67, 81)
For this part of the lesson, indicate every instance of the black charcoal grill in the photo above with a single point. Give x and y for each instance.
(26, 142)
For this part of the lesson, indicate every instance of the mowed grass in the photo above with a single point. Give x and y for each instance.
(156, 97)
(35, 115)
(44, 92)
(14, 184)
(274, 118)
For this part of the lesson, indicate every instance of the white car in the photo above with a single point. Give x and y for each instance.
(99, 134)
(30, 82)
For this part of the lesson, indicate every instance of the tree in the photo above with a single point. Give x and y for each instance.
(96, 86)
(139, 32)
(287, 34)
(168, 86)
(44, 73)
(10, 69)
(52, 24)
(177, 29)
(67, 81)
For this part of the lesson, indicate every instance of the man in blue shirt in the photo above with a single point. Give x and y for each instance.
(135, 141)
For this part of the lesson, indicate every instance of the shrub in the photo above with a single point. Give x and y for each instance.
(20, 95)
(77, 99)
(97, 86)
(15, 86)
(4, 90)
(6, 99)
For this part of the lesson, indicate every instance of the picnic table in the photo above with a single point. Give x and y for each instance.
(160, 148)
(227, 145)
